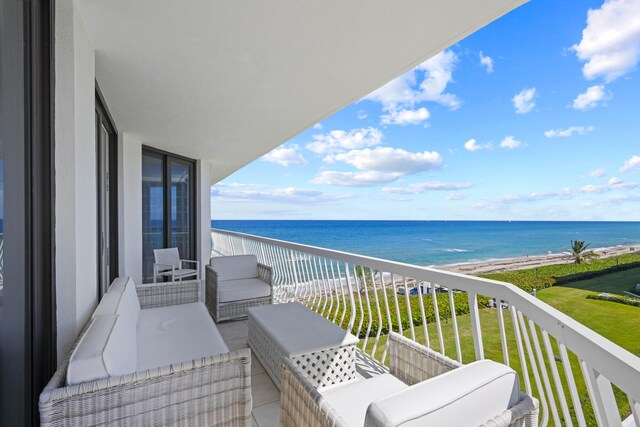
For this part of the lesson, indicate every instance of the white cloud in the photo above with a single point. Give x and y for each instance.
(472, 145)
(277, 195)
(564, 194)
(596, 173)
(486, 62)
(456, 196)
(362, 115)
(381, 165)
(523, 101)
(632, 163)
(355, 179)
(421, 187)
(393, 160)
(609, 187)
(510, 142)
(285, 156)
(610, 45)
(591, 98)
(405, 91)
(614, 181)
(338, 141)
(595, 188)
(405, 117)
(566, 133)
(237, 185)
(317, 126)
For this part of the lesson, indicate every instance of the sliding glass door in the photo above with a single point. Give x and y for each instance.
(168, 206)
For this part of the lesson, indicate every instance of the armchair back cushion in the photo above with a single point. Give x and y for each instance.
(106, 349)
(470, 395)
(235, 267)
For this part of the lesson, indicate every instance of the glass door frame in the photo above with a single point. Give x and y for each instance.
(104, 118)
(167, 159)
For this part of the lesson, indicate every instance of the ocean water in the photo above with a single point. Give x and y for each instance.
(441, 242)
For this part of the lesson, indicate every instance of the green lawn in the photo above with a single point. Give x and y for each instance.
(617, 322)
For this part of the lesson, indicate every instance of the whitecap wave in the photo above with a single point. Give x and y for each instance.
(457, 250)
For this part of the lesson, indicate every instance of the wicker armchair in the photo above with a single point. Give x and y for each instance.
(236, 283)
(412, 363)
(214, 390)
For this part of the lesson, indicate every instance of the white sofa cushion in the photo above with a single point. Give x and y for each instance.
(121, 299)
(469, 395)
(235, 267)
(241, 289)
(176, 333)
(104, 350)
(110, 300)
(351, 400)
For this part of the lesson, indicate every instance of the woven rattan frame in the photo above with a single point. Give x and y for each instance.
(302, 404)
(329, 366)
(214, 390)
(412, 363)
(173, 293)
(234, 309)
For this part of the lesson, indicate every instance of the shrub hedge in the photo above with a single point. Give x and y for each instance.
(460, 300)
(558, 274)
(614, 298)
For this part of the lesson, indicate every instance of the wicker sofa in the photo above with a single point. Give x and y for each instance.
(150, 355)
(236, 283)
(422, 388)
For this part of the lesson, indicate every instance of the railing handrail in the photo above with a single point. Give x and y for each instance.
(614, 362)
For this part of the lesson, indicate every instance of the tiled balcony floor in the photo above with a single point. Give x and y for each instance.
(266, 396)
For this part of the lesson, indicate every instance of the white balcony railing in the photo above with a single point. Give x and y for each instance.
(580, 377)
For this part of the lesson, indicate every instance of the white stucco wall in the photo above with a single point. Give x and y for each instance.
(76, 186)
(131, 204)
(75, 174)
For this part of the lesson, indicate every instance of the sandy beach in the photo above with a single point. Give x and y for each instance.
(499, 265)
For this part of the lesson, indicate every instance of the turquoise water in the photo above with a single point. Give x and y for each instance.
(441, 242)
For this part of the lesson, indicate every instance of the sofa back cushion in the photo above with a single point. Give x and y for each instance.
(470, 395)
(122, 299)
(235, 267)
(106, 349)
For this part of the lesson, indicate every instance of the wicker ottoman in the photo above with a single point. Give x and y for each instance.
(323, 351)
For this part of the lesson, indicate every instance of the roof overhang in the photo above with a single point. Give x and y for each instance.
(228, 81)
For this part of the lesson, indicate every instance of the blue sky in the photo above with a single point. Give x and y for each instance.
(534, 117)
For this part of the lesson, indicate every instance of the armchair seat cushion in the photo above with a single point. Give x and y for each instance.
(176, 333)
(242, 289)
(351, 400)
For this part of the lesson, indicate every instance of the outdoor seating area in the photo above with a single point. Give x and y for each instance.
(153, 352)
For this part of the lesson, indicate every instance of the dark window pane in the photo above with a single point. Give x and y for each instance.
(152, 212)
(1, 240)
(181, 209)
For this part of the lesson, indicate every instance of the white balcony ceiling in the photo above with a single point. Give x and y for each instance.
(230, 80)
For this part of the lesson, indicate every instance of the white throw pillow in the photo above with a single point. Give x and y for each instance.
(107, 348)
